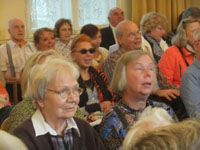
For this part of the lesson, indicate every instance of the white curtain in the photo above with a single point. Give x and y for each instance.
(44, 13)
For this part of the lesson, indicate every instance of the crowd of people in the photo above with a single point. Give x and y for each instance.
(120, 87)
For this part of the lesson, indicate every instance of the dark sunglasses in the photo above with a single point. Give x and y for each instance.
(84, 51)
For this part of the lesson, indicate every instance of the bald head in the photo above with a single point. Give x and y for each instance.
(116, 15)
(128, 35)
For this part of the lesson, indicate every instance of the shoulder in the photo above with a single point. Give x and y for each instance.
(105, 29)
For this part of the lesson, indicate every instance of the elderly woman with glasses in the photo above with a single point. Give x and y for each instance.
(96, 96)
(53, 85)
(134, 78)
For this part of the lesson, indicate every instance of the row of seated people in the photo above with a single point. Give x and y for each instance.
(96, 95)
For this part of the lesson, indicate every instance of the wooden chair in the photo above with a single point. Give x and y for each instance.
(15, 93)
(4, 125)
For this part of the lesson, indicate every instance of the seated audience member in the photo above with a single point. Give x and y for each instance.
(152, 26)
(100, 52)
(10, 142)
(44, 39)
(126, 42)
(27, 107)
(134, 77)
(14, 54)
(63, 31)
(190, 82)
(178, 136)
(116, 15)
(179, 56)
(149, 119)
(56, 94)
(192, 12)
(96, 95)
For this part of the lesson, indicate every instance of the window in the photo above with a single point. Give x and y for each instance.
(44, 13)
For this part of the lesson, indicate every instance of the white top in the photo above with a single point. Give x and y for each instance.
(19, 56)
(113, 31)
(147, 47)
(62, 48)
(41, 127)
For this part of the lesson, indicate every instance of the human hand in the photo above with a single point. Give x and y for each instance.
(105, 106)
(169, 94)
(3, 100)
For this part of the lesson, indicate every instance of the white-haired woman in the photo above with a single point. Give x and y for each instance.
(53, 85)
(180, 55)
(134, 77)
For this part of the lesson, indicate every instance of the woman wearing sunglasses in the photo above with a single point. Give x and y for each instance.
(96, 96)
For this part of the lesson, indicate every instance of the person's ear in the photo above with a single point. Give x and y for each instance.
(40, 103)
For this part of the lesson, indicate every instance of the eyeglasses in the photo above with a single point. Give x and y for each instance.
(64, 93)
(84, 51)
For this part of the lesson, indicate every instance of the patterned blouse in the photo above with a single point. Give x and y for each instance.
(63, 49)
(111, 129)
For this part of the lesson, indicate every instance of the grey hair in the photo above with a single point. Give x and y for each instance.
(150, 118)
(42, 74)
(10, 22)
(111, 10)
(119, 80)
(180, 38)
(151, 20)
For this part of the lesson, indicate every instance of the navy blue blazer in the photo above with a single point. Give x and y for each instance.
(107, 37)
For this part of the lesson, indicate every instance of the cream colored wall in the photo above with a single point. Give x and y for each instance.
(10, 9)
(195, 3)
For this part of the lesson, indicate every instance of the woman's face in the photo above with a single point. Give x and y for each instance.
(82, 54)
(157, 33)
(190, 28)
(65, 32)
(46, 41)
(140, 76)
(96, 41)
(55, 106)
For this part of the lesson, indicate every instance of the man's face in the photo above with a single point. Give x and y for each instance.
(16, 30)
(131, 37)
(116, 16)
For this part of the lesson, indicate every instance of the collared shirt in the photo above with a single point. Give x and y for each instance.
(110, 62)
(41, 127)
(19, 56)
(112, 130)
(63, 49)
(190, 88)
(113, 31)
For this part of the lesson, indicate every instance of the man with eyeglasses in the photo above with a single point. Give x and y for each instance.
(129, 38)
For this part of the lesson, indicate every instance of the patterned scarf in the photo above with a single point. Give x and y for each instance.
(155, 46)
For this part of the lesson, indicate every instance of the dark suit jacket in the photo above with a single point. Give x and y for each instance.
(107, 37)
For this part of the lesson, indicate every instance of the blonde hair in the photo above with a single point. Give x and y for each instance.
(33, 60)
(10, 142)
(149, 119)
(180, 38)
(119, 80)
(152, 20)
(178, 136)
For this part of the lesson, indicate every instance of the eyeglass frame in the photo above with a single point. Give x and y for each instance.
(68, 91)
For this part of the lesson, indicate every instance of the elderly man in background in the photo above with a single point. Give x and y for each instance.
(129, 38)
(116, 15)
(15, 52)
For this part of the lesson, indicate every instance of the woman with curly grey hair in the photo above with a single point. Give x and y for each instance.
(180, 55)
(152, 26)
